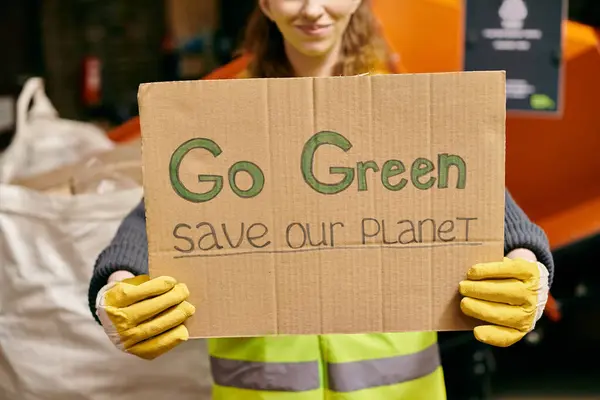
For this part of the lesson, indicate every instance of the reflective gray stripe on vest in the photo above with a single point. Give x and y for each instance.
(351, 376)
(268, 376)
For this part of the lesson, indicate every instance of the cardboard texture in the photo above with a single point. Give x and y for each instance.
(324, 205)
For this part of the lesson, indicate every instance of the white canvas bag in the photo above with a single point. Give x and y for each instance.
(43, 141)
(51, 348)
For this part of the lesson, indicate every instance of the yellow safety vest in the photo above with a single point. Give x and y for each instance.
(396, 366)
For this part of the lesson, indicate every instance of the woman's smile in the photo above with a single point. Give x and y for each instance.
(314, 30)
(311, 28)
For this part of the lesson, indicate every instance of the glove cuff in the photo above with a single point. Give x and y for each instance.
(103, 317)
(543, 291)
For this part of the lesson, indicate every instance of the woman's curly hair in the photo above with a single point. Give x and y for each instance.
(363, 48)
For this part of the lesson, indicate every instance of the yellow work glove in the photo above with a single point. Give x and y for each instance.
(144, 316)
(510, 295)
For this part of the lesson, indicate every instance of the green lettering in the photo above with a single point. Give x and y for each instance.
(177, 158)
(420, 167)
(362, 173)
(308, 155)
(390, 169)
(446, 161)
(258, 179)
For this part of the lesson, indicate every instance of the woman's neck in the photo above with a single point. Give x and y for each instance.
(310, 66)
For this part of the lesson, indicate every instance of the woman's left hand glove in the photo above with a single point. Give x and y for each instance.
(510, 295)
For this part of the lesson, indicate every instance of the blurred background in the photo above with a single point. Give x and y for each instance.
(93, 54)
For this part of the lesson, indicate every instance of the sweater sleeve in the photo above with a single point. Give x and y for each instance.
(127, 251)
(520, 232)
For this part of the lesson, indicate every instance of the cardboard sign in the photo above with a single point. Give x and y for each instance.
(324, 205)
(523, 38)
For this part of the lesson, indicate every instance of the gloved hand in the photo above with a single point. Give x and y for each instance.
(510, 295)
(145, 317)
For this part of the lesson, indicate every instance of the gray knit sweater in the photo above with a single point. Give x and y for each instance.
(129, 248)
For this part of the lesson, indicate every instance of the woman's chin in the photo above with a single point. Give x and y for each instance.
(315, 49)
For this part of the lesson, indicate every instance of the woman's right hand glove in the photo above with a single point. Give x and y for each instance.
(144, 316)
